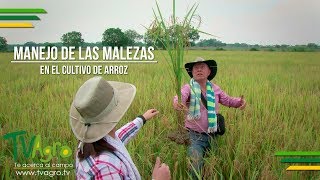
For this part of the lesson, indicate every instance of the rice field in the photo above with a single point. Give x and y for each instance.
(282, 90)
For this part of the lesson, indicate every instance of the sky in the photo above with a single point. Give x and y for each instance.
(265, 22)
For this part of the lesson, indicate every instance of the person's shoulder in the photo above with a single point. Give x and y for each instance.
(104, 160)
(186, 86)
(215, 87)
(106, 157)
(87, 164)
(110, 160)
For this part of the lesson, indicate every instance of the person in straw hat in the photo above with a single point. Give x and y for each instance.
(200, 102)
(95, 111)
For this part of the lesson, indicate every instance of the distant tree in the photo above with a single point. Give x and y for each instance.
(114, 37)
(98, 44)
(244, 45)
(133, 37)
(48, 45)
(211, 43)
(193, 36)
(256, 46)
(237, 45)
(30, 44)
(282, 47)
(139, 44)
(3, 44)
(72, 39)
(253, 49)
(298, 48)
(312, 45)
(220, 49)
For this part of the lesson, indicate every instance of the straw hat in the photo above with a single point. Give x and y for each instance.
(98, 106)
(211, 64)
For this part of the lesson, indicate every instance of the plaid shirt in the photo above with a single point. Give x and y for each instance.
(107, 165)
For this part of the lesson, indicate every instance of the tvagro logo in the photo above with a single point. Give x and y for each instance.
(35, 147)
(19, 17)
(304, 158)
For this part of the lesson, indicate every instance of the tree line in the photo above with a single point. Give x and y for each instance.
(116, 37)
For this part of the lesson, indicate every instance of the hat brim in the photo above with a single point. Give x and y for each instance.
(125, 95)
(212, 66)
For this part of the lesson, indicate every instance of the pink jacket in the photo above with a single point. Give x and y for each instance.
(201, 125)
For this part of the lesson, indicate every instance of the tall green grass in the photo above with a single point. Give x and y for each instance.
(282, 90)
(173, 35)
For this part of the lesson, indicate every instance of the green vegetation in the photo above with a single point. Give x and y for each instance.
(281, 89)
(174, 38)
(114, 37)
(3, 44)
(133, 37)
(73, 38)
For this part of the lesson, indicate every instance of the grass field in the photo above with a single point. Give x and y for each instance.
(282, 91)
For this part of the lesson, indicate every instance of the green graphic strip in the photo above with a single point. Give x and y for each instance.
(300, 160)
(14, 18)
(298, 153)
(22, 10)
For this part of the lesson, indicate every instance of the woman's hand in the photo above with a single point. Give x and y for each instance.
(161, 171)
(150, 114)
